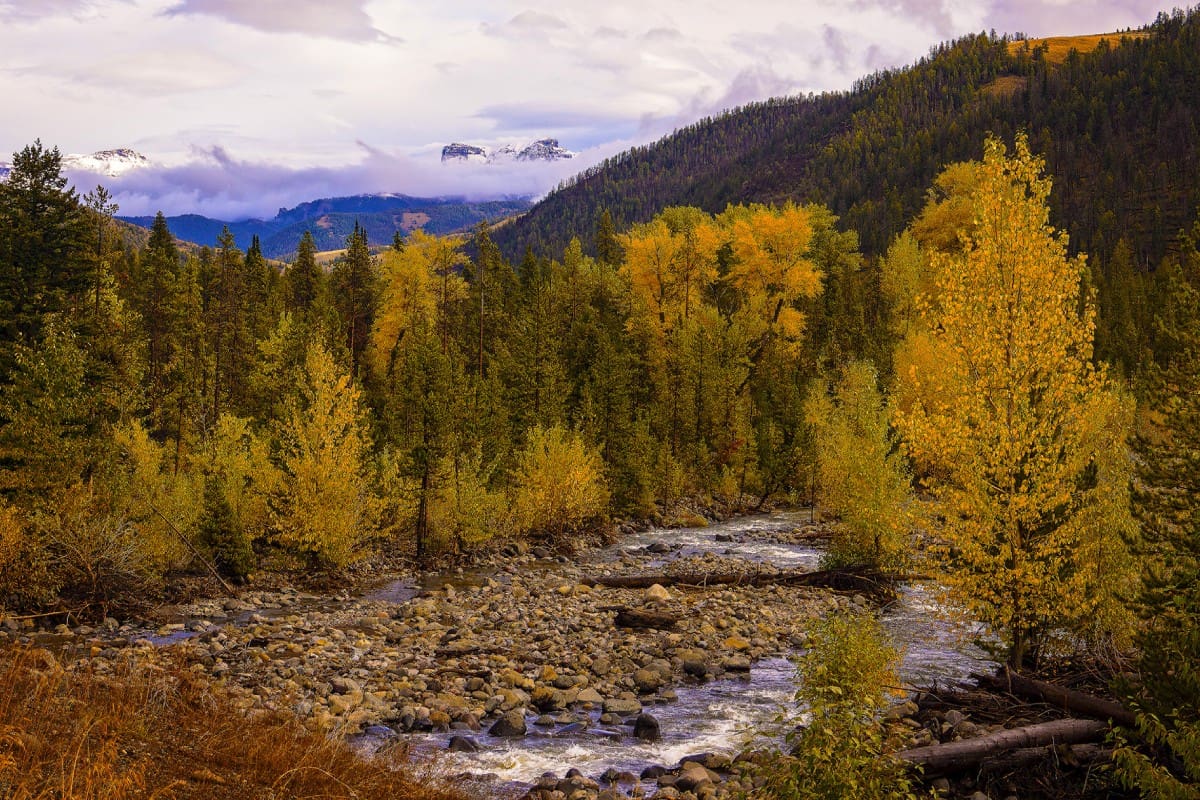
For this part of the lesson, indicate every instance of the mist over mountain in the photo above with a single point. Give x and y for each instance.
(217, 184)
(331, 220)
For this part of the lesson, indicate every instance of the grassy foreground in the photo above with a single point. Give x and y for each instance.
(154, 730)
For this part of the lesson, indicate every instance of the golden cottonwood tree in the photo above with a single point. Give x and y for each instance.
(861, 471)
(558, 482)
(1023, 437)
(324, 506)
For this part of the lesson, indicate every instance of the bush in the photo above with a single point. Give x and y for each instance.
(25, 576)
(840, 753)
(463, 510)
(861, 472)
(558, 483)
(94, 553)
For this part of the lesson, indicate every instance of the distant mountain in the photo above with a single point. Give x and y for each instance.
(113, 163)
(110, 163)
(541, 150)
(331, 220)
(1117, 118)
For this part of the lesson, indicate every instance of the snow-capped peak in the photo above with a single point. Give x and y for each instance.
(541, 150)
(112, 163)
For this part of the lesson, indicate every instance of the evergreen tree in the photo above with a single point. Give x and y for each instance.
(356, 289)
(43, 266)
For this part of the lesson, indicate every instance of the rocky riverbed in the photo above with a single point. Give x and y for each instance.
(520, 651)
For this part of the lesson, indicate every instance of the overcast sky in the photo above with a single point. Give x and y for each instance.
(312, 97)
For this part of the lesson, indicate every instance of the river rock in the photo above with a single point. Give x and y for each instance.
(589, 695)
(646, 728)
(647, 680)
(617, 705)
(462, 744)
(511, 725)
(657, 594)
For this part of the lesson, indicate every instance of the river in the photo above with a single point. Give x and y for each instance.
(722, 715)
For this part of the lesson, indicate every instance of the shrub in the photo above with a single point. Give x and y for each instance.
(558, 483)
(95, 554)
(840, 753)
(25, 576)
(463, 509)
(861, 472)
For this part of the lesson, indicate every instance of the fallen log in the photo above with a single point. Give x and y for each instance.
(847, 579)
(1060, 697)
(653, 620)
(969, 753)
(1074, 755)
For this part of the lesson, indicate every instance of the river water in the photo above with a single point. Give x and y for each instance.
(723, 715)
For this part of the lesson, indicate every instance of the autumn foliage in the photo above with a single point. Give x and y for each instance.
(1021, 436)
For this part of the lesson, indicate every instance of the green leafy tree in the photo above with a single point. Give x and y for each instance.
(324, 507)
(840, 752)
(861, 471)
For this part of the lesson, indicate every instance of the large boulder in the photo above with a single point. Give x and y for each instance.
(646, 728)
(511, 725)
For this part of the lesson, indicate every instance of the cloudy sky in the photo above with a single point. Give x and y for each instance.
(248, 105)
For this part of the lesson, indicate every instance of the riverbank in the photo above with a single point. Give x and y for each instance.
(518, 668)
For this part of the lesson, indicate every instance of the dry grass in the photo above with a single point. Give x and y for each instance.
(1005, 86)
(1058, 47)
(155, 730)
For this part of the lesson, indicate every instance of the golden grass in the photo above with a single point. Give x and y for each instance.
(156, 730)
(1005, 86)
(1058, 47)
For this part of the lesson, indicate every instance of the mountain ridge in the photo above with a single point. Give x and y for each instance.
(332, 219)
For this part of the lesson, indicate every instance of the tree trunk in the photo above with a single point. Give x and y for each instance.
(1073, 755)
(969, 753)
(655, 620)
(1060, 697)
(848, 579)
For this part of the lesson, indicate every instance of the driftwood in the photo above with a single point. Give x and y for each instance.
(969, 753)
(655, 620)
(196, 553)
(1073, 755)
(1067, 699)
(848, 579)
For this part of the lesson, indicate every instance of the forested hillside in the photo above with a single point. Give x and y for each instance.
(1117, 126)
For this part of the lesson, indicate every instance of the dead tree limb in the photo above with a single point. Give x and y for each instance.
(1074, 755)
(848, 579)
(1060, 697)
(196, 553)
(969, 753)
(653, 620)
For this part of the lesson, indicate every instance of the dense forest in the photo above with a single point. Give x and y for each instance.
(884, 320)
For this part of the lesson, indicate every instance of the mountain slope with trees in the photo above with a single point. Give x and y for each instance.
(1117, 126)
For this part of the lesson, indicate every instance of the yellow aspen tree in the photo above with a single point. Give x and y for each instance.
(324, 506)
(861, 471)
(1022, 435)
(418, 283)
(771, 267)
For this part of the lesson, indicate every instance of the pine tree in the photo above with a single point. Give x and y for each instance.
(1167, 691)
(356, 289)
(43, 266)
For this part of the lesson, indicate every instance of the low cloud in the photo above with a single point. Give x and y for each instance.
(219, 185)
(333, 19)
